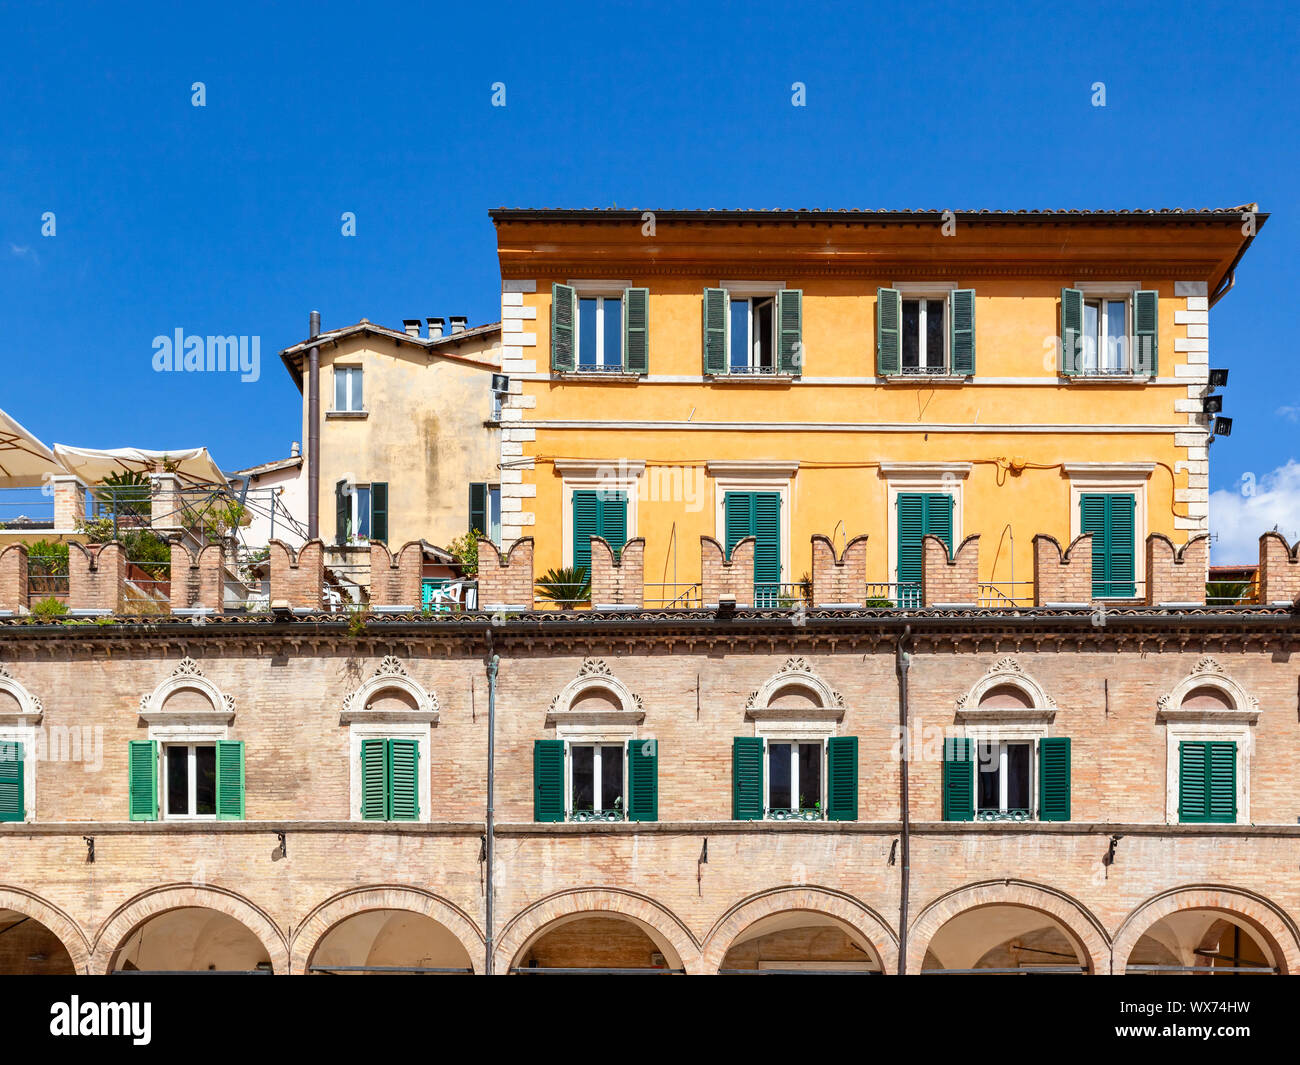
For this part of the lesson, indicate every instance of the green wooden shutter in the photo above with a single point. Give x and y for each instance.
(374, 780)
(738, 518)
(889, 331)
(643, 780)
(920, 514)
(789, 340)
(12, 804)
(1054, 779)
(767, 532)
(548, 780)
(1111, 520)
(842, 778)
(478, 508)
(611, 520)
(962, 315)
(342, 512)
(747, 778)
(142, 780)
(715, 330)
(586, 524)
(1146, 330)
(1071, 331)
(403, 770)
(1221, 797)
(1193, 782)
(938, 517)
(230, 780)
(379, 511)
(636, 330)
(958, 779)
(564, 313)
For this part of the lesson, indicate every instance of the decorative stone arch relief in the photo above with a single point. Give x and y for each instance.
(187, 705)
(595, 699)
(21, 708)
(390, 676)
(1006, 693)
(1207, 693)
(795, 699)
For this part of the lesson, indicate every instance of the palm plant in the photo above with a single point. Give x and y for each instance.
(565, 586)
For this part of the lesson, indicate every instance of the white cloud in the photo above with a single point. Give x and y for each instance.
(1240, 515)
(1289, 413)
(19, 250)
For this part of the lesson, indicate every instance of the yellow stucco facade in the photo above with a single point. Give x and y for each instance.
(1015, 442)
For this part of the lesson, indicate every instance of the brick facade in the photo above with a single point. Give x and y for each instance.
(1062, 578)
(1177, 575)
(96, 576)
(396, 581)
(297, 578)
(506, 582)
(197, 581)
(839, 581)
(724, 576)
(1279, 569)
(621, 581)
(946, 580)
(13, 578)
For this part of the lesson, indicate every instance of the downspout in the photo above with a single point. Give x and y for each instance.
(494, 660)
(902, 662)
(313, 431)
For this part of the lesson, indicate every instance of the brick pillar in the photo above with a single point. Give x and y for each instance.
(839, 581)
(396, 581)
(297, 581)
(1062, 578)
(1279, 569)
(197, 582)
(952, 580)
(1177, 575)
(69, 502)
(96, 576)
(505, 583)
(618, 582)
(165, 503)
(13, 579)
(722, 576)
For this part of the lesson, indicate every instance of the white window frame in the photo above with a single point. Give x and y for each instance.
(601, 364)
(1192, 732)
(616, 475)
(750, 291)
(354, 495)
(348, 372)
(948, 478)
(926, 290)
(795, 740)
(1002, 734)
(600, 745)
(1104, 292)
(192, 746)
(494, 524)
(757, 476)
(27, 735)
(1088, 478)
(421, 732)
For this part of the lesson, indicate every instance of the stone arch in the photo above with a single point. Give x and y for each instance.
(29, 706)
(859, 917)
(129, 916)
(1006, 673)
(67, 930)
(795, 674)
(187, 676)
(1268, 920)
(1083, 928)
(595, 676)
(340, 907)
(390, 675)
(659, 923)
(1209, 674)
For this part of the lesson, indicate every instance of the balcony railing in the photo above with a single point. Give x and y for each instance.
(1004, 815)
(674, 596)
(588, 816)
(894, 595)
(773, 595)
(794, 815)
(1006, 594)
(1232, 593)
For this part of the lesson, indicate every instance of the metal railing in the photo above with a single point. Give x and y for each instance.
(794, 815)
(775, 595)
(23, 509)
(1232, 593)
(897, 595)
(448, 595)
(148, 587)
(587, 816)
(47, 577)
(674, 596)
(1006, 594)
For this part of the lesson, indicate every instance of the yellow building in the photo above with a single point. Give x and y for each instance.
(406, 433)
(788, 373)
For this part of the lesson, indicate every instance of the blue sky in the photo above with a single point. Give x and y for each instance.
(225, 219)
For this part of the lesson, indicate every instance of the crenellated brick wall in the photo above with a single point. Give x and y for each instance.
(505, 582)
(13, 578)
(621, 581)
(950, 580)
(1177, 575)
(297, 580)
(839, 581)
(197, 581)
(396, 581)
(1279, 569)
(1062, 578)
(69, 502)
(96, 576)
(722, 576)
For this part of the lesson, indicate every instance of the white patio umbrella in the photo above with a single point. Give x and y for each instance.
(193, 465)
(24, 461)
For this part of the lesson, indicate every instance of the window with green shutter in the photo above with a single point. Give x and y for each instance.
(643, 780)
(230, 780)
(842, 778)
(379, 511)
(1071, 331)
(142, 780)
(1111, 518)
(1146, 330)
(478, 508)
(714, 314)
(1054, 778)
(342, 513)
(889, 325)
(636, 330)
(789, 325)
(757, 514)
(12, 802)
(548, 780)
(1207, 782)
(747, 778)
(564, 313)
(598, 513)
(962, 340)
(390, 779)
(920, 514)
(958, 779)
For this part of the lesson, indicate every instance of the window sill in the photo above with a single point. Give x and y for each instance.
(750, 378)
(927, 378)
(622, 376)
(1107, 378)
(348, 415)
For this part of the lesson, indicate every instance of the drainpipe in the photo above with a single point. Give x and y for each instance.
(494, 660)
(313, 431)
(902, 662)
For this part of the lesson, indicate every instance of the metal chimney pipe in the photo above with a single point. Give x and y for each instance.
(313, 430)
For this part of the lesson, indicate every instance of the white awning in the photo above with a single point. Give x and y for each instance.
(193, 465)
(24, 461)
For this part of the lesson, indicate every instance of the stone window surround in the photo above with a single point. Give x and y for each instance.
(21, 727)
(583, 475)
(903, 477)
(1089, 477)
(753, 476)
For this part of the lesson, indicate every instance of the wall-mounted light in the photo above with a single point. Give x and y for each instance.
(1212, 404)
(500, 383)
(1222, 426)
(1218, 378)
